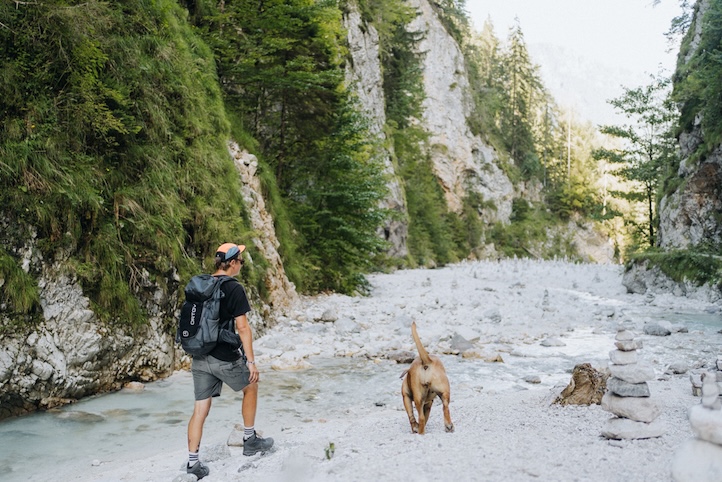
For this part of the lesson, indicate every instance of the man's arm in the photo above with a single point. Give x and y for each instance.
(246, 334)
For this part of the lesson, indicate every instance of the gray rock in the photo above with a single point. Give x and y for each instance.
(624, 335)
(622, 428)
(403, 322)
(533, 379)
(235, 438)
(634, 373)
(315, 328)
(706, 423)
(401, 357)
(626, 389)
(552, 341)
(677, 368)
(619, 357)
(329, 315)
(697, 461)
(493, 315)
(626, 345)
(655, 329)
(460, 344)
(185, 477)
(345, 326)
(216, 452)
(637, 409)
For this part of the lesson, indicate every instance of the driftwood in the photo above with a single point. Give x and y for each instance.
(586, 387)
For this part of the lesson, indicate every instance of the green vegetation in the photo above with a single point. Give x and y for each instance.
(116, 118)
(698, 82)
(699, 266)
(281, 68)
(113, 145)
(648, 148)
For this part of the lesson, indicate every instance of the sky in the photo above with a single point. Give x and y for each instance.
(620, 33)
(598, 46)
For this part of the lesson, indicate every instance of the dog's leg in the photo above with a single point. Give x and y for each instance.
(427, 408)
(406, 395)
(445, 398)
(421, 410)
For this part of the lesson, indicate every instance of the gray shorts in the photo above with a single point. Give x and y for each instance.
(209, 375)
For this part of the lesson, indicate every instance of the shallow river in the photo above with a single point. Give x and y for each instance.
(51, 445)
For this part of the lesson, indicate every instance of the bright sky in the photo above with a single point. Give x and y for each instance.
(620, 33)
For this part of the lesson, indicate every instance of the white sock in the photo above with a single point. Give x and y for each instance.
(248, 432)
(192, 458)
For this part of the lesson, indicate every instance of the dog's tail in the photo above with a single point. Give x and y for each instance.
(423, 354)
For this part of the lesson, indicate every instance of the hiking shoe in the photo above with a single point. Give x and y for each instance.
(256, 444)
(198, 469)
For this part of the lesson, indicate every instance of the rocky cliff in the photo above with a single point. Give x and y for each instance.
(461, 160)
(691, 216)
(70, 353)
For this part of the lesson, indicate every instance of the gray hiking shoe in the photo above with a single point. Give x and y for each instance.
(256, 444)
(198, 469)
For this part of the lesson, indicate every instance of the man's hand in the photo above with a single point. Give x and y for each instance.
(255, 375)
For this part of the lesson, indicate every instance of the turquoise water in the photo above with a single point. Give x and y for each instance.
(698, 321)
(130, 424)
(52, 445)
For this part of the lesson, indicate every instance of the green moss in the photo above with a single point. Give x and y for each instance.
(115, 147)
(19, 289)
(698, 267)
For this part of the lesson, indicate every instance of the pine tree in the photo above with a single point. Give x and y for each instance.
(648, 145)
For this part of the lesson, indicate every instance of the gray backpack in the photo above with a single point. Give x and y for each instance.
(200, 326)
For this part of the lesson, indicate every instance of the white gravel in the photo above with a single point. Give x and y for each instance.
(506, 428)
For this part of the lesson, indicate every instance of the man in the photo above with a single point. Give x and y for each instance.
(235, 366)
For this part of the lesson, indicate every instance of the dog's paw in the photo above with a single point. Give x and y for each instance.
(415, 427)
(450, 427)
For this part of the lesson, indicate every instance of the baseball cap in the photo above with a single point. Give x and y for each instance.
(229, 251)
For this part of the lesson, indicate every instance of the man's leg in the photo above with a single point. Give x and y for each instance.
(195, 426)
(250, 401)
(252, 443)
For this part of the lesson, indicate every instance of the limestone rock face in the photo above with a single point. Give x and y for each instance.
(690, 215)
(364, 75)
(281, 291)
(71, 354)
(461, 160)
(640, 278)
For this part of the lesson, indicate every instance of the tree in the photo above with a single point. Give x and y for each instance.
(524, 91)
(648, 144)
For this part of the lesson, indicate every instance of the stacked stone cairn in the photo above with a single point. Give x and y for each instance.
(700, 459)
(696, 378)
(628, 396)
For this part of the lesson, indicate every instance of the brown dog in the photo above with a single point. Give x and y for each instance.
(423, 382)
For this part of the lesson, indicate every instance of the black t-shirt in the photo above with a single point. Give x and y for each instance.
(234, 303)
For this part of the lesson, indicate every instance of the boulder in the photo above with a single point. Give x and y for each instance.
(697, 461)
(635, 373)
(626, 389)
(585, 388)
(706, 423)
(622, 428)
(637, 409)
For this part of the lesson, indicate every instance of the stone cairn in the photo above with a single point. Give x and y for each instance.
(696, 378)
(700, 459)
(628, 396)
